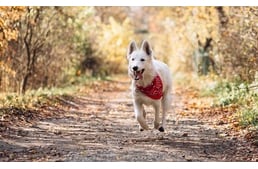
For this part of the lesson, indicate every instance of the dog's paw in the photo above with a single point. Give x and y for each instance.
(161, 129)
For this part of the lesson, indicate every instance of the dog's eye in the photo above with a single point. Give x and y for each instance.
(142, 60)
(132, 59)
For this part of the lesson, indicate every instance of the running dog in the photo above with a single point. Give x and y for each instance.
(151, 84)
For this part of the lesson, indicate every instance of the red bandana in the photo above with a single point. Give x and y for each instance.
(154, 90)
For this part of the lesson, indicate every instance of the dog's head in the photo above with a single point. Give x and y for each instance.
(139, 60)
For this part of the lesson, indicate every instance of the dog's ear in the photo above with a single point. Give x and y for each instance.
(132, 47)
(146, 48)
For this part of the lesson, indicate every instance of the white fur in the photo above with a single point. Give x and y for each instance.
(151, 68)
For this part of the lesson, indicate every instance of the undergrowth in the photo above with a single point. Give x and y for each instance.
(237, 93)
(32, 98)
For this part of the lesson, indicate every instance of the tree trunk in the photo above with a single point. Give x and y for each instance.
(24, 83)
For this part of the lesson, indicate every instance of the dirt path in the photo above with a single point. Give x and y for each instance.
(101, 126)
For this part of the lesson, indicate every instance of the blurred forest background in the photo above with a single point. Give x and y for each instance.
(43, 47)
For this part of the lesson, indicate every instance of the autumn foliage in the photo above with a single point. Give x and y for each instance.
(49, 46)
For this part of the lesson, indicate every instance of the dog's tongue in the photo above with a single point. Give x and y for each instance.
(138, 75)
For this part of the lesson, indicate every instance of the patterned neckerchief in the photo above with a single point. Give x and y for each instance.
(154, 90)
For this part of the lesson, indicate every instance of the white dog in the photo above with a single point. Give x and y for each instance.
(151, 84)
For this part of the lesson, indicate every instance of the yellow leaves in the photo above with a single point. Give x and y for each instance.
(8, 16)
(10, 34)
(2, 23)
(5, 68)
(113, 41)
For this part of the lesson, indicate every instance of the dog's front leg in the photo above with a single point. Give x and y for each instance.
(157, 119)
(139, 114)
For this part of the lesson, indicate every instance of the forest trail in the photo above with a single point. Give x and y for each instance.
(99, 125)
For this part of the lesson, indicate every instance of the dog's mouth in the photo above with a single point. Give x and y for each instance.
(138, 74)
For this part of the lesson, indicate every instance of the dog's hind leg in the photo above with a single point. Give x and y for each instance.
(166, 101)
(144, 116)
(140, 115)
(144, 113)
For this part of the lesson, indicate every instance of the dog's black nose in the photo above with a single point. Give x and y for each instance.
(135, 68)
